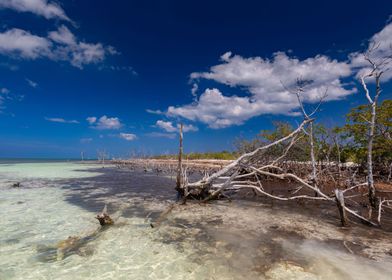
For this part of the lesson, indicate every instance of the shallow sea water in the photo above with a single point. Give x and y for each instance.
(58, 200)
(37, 217)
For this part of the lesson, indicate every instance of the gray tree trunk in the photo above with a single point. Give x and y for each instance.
(370, 179)
(179, 181)
(312, 157)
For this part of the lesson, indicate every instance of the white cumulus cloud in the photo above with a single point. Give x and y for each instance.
(59, 45)
(264, 82)
(62, 36)
(21, 43)
(169, 127)
(104, 123)
(263, 78)
(77, 52)
(91, 120)
(47, 9)
(379, 48)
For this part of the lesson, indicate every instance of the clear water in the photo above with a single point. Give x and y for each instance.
(46, 170)
(58, 200)
(35, 219)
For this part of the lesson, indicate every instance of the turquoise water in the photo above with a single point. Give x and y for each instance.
(46, 170)
(60, 199)
(35, 219)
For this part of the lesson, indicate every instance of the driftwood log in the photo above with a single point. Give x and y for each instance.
(74, 244)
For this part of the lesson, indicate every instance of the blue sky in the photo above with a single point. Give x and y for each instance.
(120, 75)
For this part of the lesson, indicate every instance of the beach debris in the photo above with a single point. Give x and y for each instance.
(104, 218)
(16, 185)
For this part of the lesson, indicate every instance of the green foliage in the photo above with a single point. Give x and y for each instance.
(356, 132)
(211, 155)
(346, 143)
(329, 144)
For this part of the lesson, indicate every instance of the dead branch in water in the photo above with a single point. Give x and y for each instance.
(73, 244)
(104, 218)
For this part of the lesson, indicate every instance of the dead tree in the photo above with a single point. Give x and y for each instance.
(380, 208)
(179, 180)
(378, 67)
(339, 196)
(101, 156)
(249, 169)
(196, 188)
(301, 84)
(337, 145)
(299, 91)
